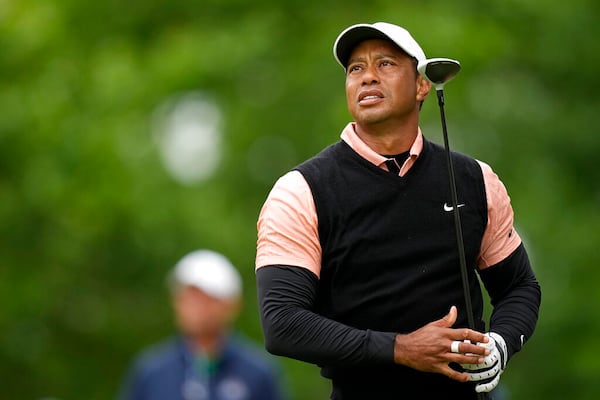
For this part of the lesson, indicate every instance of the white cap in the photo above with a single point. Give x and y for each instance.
(210, 272)
(352, 36)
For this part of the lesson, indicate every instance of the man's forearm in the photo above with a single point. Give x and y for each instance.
(515, 295)
(286, 299)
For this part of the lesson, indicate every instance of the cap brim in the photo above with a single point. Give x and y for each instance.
(348, 40)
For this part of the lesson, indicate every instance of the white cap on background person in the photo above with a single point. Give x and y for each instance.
(210, 272)
(353, 35)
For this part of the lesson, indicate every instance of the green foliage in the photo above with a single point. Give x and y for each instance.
(92, 221)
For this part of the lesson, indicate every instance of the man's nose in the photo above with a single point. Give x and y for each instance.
(370, 76)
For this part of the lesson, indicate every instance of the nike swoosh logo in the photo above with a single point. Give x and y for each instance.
(450, 208)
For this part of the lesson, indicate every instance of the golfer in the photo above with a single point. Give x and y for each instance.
(357, 265)
(206, 360)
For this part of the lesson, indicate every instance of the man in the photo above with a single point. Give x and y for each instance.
(205, 362)
(357, 267)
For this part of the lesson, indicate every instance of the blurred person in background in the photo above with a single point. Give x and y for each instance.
(205, 361)
(357, 266)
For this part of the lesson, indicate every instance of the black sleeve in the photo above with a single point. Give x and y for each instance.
(515, 295)
(286, 296)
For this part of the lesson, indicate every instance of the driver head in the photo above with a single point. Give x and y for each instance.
(438, 71)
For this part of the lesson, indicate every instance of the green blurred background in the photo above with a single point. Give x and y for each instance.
(132, 132)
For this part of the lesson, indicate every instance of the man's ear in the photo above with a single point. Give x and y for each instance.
(423, 88)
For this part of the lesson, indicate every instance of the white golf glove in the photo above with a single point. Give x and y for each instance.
(488, 373)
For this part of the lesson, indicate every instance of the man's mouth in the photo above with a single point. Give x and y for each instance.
(369, 97)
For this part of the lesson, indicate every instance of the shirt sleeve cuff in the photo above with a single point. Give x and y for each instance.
(381, 346)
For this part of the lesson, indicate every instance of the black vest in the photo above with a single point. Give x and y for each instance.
(390, 259)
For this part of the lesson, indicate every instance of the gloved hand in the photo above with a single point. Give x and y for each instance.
(488, 373)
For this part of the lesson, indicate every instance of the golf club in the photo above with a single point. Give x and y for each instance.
(439, 71)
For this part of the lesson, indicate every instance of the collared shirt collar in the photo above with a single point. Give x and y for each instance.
(351, 138)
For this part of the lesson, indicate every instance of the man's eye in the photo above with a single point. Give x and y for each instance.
(354, 68)
(385, 63)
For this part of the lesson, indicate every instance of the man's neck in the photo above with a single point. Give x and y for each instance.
(208, 345)
(388, 139)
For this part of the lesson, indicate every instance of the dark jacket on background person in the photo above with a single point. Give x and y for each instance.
(170, 371)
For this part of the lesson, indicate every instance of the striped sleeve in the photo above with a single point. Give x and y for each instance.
(500, 238)
(288, 226)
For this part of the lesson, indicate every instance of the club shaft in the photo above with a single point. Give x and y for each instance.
(458, 227)
(456, 212)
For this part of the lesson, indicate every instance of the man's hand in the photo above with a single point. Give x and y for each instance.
(488, 372)
(430, 348)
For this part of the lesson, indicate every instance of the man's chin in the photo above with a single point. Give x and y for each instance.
(370, 117)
